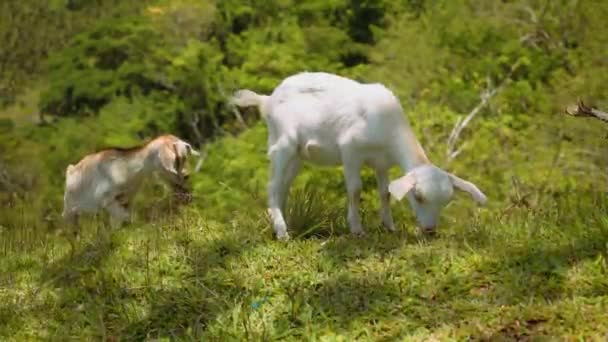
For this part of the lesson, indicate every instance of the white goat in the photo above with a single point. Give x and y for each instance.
(110, 178)
(331, 120)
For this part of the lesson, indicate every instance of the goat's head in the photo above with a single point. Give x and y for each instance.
(172, 162)
(429, 190)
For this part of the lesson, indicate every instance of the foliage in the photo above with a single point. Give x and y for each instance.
(111, 60)
(140, 56)
(30, 30)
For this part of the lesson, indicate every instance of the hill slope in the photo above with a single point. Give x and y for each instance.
(217, 273)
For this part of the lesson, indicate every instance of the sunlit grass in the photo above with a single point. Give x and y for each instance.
(529, 273)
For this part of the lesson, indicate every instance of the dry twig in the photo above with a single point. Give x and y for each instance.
(582, 110)
(452, 152)
(235, 111)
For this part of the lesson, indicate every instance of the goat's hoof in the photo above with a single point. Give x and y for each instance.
(359, 233)
(390, 228)
(283, 237)
(430, 233)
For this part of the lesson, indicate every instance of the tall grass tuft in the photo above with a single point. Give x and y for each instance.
(311, 214)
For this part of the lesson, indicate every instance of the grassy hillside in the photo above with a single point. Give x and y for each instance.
(214, 272)
(532, 264)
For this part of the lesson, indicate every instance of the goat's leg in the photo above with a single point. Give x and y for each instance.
(73, 226)
(352, 176)
(290, 174)
(281, 155)
(385, 205)
(118, 214)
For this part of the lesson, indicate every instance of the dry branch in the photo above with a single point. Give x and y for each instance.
(486, 95)
(232, 107)
(201, 160)
(582, 110)
(194, 124)
(452, 152)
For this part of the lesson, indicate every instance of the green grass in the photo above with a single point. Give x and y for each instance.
(530, 265)
(25, 108)
(489, 275)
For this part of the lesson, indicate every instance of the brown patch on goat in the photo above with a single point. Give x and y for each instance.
(179, 160)
(114, 151)
(166, 138)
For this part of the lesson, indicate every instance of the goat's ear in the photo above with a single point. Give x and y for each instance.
(469, 187)
(168, 159)
(190, 150)
(401, 186)
(180, 156)
(193, 151)
(184, 149)
(180, 149)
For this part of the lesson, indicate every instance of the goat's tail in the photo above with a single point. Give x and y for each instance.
(69, 169)
(248, 98)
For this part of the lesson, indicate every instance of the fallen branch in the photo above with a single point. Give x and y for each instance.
(452, 152)
(201, 160)
(199, 137)
(235, 111)
(582, 110)
(194, 124)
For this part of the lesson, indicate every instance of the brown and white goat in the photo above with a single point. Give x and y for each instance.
(109, 179)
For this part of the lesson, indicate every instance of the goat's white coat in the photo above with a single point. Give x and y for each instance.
(109, 179)
(332, 120)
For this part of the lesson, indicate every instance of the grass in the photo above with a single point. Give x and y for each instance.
(526, 274)
(25, 109)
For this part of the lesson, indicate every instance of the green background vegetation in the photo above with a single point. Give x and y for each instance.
(80, 75)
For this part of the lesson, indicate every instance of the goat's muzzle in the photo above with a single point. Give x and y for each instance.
(182, 194)
(428, 231)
